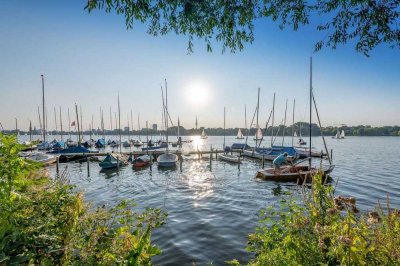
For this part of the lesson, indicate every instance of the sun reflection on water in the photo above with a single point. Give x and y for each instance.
(200, 182)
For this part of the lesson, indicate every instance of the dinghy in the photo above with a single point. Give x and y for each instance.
(141, 161)
(40, 157)
(229, 158)
(167, 160)
(113, 160)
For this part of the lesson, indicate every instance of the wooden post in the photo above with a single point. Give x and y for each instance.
(211, 152)
(331, 155)
(88, 169)
(263, 161)
(211, 159)
(216, 154)
(58, 166)
(151, 162)
(118, 163)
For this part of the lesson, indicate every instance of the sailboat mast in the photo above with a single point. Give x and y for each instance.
(179, 125)
(258, 105)
(43, 103)
(132, 121)
(91, 127)
(127, 118)
(40, 120)
(284, 125)
(245, 118)
(309, 152)
(119, 125)
(30, 130)
(69, 124)
(62, 138)
(166, 112)
(55, 118)
(224, 127)
(294, 105)
(147, 132)
(115, 118)
(81, 124)
(138, 122)
(77, 119)
(273, 119)
(111, 120)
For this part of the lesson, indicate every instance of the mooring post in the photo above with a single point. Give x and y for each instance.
(57, 166)
(180, 163)
(211, 159)
(216, 154)
(151, 162)
(263, 161)
(118, 163)
(331, 155)
(211, 152)
(88, 169)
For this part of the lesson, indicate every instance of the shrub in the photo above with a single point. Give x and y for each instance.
(43, 221)
(325, 230)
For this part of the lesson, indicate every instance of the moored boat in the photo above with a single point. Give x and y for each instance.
(229, 158)
(293, 173)
(113, 160)
(141, 161)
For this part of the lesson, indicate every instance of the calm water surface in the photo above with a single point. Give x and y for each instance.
(211, 211)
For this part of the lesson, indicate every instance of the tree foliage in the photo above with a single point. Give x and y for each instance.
(367, 23)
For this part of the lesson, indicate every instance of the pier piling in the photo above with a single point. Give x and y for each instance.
(88, 166)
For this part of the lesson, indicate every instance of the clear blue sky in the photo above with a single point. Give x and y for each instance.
(88, 58)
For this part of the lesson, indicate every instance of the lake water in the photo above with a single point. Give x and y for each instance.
(212, 210)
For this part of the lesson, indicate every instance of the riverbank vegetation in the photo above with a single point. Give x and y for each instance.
(322, 229)
(44, 221)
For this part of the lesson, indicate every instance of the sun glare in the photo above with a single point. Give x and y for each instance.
(197, 93)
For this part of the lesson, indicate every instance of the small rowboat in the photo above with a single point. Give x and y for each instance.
(141, 161)
(229, 158)
(293, 173)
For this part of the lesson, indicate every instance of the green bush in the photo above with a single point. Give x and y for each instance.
(44, 222)
(325, 230)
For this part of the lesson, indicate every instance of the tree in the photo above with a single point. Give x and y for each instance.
(368, 23)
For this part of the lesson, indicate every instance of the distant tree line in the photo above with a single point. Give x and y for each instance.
(299, 127)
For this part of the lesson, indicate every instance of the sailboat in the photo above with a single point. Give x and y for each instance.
(299, 172)
(342, 135)
(204, 135)
(166, 159)
(338, 135)
(301, 141)
(259, 135)
(239, 134)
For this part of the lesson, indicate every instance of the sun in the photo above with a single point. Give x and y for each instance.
(197, 92)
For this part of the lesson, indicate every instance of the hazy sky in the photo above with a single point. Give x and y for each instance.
(89, 58)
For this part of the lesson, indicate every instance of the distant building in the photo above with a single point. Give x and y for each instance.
(155, 127)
